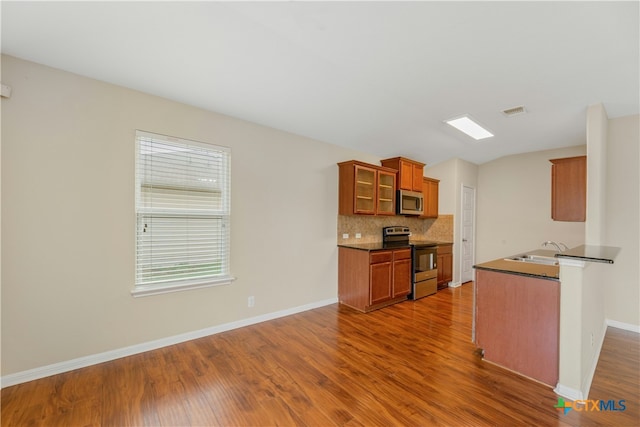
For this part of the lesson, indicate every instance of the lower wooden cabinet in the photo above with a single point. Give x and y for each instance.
(368, 280)
(380, 277)
(401, 273)
(445, 265)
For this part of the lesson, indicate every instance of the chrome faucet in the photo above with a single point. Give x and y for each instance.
(557, 245)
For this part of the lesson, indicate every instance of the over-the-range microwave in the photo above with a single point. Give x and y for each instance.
(409, 203)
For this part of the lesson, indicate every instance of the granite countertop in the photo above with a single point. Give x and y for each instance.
(377, 246)
(591, 253)
(521, 268)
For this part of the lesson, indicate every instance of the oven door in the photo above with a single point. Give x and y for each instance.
(425, 271)
(424, 259)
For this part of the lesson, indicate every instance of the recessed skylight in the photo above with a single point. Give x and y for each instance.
(468, 126)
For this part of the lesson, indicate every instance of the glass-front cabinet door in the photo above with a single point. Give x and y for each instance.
(365, 191)
(386, 193)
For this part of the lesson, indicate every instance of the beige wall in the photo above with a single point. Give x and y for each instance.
(597, 122)
(68, 223)
(623, 219)
(598, 294)
(1, 103)
(514, 205)
(68, 219)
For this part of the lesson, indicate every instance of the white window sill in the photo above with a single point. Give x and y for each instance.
(148, 290)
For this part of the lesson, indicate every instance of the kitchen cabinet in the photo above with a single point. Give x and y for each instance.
(366, 189)
(386, 193)
(569, 189)
(401, 273)
(430, 195)
(368, 280)
(445, 265)
(380, 277)
(410, 172)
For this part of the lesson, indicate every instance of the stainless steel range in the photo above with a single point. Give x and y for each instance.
(425, 270)
(423, 260)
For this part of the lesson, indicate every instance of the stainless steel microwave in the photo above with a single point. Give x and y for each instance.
(409, 203)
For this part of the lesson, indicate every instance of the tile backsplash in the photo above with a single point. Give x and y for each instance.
(370, 227)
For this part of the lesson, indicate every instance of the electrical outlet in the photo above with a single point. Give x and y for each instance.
(345, 235)
(358, 236)
(251, 301)
(592, 339)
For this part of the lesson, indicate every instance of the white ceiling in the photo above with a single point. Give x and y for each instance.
(379, 77)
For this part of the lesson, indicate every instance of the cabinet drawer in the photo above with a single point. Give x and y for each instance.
(402, 254)
(380, 256)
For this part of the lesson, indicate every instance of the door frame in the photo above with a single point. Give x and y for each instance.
(460, 242)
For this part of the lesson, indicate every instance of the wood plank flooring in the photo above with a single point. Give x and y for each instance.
(411, 364)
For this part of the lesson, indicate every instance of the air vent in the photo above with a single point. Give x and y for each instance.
(514, 111)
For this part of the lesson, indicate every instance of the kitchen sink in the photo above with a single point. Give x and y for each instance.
(536, 259)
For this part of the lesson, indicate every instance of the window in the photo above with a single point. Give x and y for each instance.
(182, 214)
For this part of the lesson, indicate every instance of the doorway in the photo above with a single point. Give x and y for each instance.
(467, 245)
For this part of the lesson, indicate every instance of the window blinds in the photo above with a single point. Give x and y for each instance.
(182, 211)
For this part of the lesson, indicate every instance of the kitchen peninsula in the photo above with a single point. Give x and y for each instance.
(517, 314)
(519, 310)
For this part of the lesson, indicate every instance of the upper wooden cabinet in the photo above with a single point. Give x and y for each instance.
(366, 189)
(386, 193)
(569, 189)
(410, 172)
(430, 195)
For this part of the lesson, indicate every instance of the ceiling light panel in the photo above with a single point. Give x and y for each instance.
(470, 127)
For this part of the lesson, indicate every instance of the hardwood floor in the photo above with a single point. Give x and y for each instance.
(411, 364)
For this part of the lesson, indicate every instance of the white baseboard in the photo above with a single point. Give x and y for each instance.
(82, 362)
(583, 394)
(454, 284)
(568, 392)
(625, 326)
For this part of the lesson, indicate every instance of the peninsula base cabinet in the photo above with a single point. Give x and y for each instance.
(517, 323)
(368, 280)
